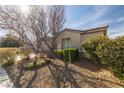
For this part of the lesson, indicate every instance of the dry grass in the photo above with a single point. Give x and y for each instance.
(3, 50)
(7, 49)
(14, 51)
(7, 56)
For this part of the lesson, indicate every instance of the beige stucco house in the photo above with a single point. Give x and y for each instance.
(70, 38)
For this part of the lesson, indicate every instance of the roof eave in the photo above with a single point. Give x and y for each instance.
(90, 30)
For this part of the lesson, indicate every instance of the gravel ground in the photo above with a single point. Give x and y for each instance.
(83, 74)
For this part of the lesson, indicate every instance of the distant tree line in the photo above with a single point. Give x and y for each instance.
(10, 40)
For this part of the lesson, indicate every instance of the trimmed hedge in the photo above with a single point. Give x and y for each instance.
(69, 54)
(89, 47)
(60, 53)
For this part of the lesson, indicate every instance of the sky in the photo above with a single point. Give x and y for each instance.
(83, 17)
(86, 17)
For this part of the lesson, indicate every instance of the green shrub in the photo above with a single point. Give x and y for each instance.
(40, 62)
(29, 65)
(89, 47)
(32, 64)
(60, 53)
(104, 51)
(112, 53)
(69, 54)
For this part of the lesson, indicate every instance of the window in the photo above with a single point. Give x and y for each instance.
(66, 43)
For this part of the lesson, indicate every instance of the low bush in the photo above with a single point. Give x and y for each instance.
(60, 53)
(69, 54)
(89, 47)
(34, 64)
(29, 65)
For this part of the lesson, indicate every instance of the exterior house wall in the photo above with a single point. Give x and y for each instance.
(74, 39)
(88, 36)
(79, 37)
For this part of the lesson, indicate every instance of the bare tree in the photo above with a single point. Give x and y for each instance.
(36, 30)
(12, 20)
(56, 22)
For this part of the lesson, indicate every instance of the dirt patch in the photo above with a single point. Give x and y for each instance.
(57, 74)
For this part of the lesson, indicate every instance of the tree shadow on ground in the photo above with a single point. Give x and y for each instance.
(13, 75)
(62, 75)
(66, 77)
(28, 83)
(17, 83)
(16, 72)
(89, 64)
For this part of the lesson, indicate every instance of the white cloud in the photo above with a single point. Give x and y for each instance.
(99, 11)
(92, 18)
(102, 23)
(121, 19)
(116, 35)
(96, 18)
(116, 31)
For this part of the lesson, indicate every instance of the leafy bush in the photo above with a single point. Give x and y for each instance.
(60, 53)
(90, 46)
(69, 54)
(104, 50)
(34, 64)
(7, 56)
(29, 65)
(112, 53)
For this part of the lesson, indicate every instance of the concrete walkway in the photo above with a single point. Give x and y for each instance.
(5, 81)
